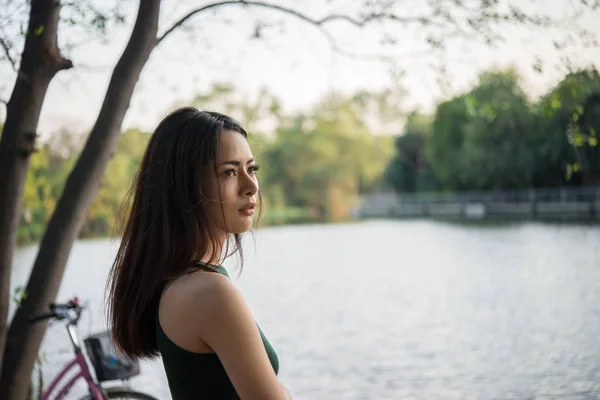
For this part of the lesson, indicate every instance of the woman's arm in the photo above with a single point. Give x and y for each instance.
(228, 327)
(288, 395)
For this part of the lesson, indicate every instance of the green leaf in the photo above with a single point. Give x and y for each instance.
(19, 295)
(568, 172)
(99, 21)
(38, 30)
(471, 105)
(592, 141)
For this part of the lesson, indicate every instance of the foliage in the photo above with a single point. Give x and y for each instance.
(409, 171)
(492, 137)
(314, 166)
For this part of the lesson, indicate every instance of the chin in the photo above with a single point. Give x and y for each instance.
(241, 228)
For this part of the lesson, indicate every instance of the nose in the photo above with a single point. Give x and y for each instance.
(249, 185)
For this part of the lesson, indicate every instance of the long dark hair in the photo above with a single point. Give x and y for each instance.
(168, 227)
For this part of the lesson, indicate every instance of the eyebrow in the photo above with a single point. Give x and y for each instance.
(236, 162)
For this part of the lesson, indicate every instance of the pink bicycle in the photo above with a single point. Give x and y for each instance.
(108, 363)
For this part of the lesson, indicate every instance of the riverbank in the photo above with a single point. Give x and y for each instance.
(560, 204)
(275, 217)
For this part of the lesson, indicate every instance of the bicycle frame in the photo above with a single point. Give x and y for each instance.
(84, 372)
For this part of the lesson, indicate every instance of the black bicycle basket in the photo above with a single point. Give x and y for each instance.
(109, 363)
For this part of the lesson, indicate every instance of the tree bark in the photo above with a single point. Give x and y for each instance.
(40, 62)
(23, 339)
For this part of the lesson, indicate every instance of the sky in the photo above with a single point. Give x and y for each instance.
(294, 61)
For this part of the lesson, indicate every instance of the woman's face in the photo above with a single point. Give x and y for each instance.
(232, 208)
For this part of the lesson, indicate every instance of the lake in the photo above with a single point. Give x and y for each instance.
(399, 309)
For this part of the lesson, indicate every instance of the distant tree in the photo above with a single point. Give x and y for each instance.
(409, 170)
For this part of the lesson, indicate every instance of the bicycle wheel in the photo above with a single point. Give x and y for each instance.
(124, 393)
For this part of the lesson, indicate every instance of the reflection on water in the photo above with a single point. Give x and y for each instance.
(401, 310)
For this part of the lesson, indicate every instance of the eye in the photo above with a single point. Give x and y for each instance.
(253, 169)
(229, 172)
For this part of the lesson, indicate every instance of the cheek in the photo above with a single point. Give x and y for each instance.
(210, 187)
(223, 192)
(229, 193)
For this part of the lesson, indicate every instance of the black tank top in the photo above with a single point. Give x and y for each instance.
(200, 375)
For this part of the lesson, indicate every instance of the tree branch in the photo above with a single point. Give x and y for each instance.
(64, 63)
(318, 22)
(475, 20)
(6, 48)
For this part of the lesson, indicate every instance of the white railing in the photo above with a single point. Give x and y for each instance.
(562, 202)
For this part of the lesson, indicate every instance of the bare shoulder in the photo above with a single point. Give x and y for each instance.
(230, 330)
(213, 293)
(205, 302)
(188, 303)
(215, 311)
(204, 282)
(217, 300)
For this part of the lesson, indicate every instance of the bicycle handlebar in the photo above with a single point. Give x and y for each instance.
(38, 318)
(72, 304)
(61, 311)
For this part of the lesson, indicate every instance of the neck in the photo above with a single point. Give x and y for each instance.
(212, 255)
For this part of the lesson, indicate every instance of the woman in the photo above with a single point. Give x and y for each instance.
(193, 196)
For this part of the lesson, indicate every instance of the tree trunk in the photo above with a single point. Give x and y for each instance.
(23, 340)
(40, 61)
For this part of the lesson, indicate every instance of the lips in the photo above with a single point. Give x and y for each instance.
(248, 209)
